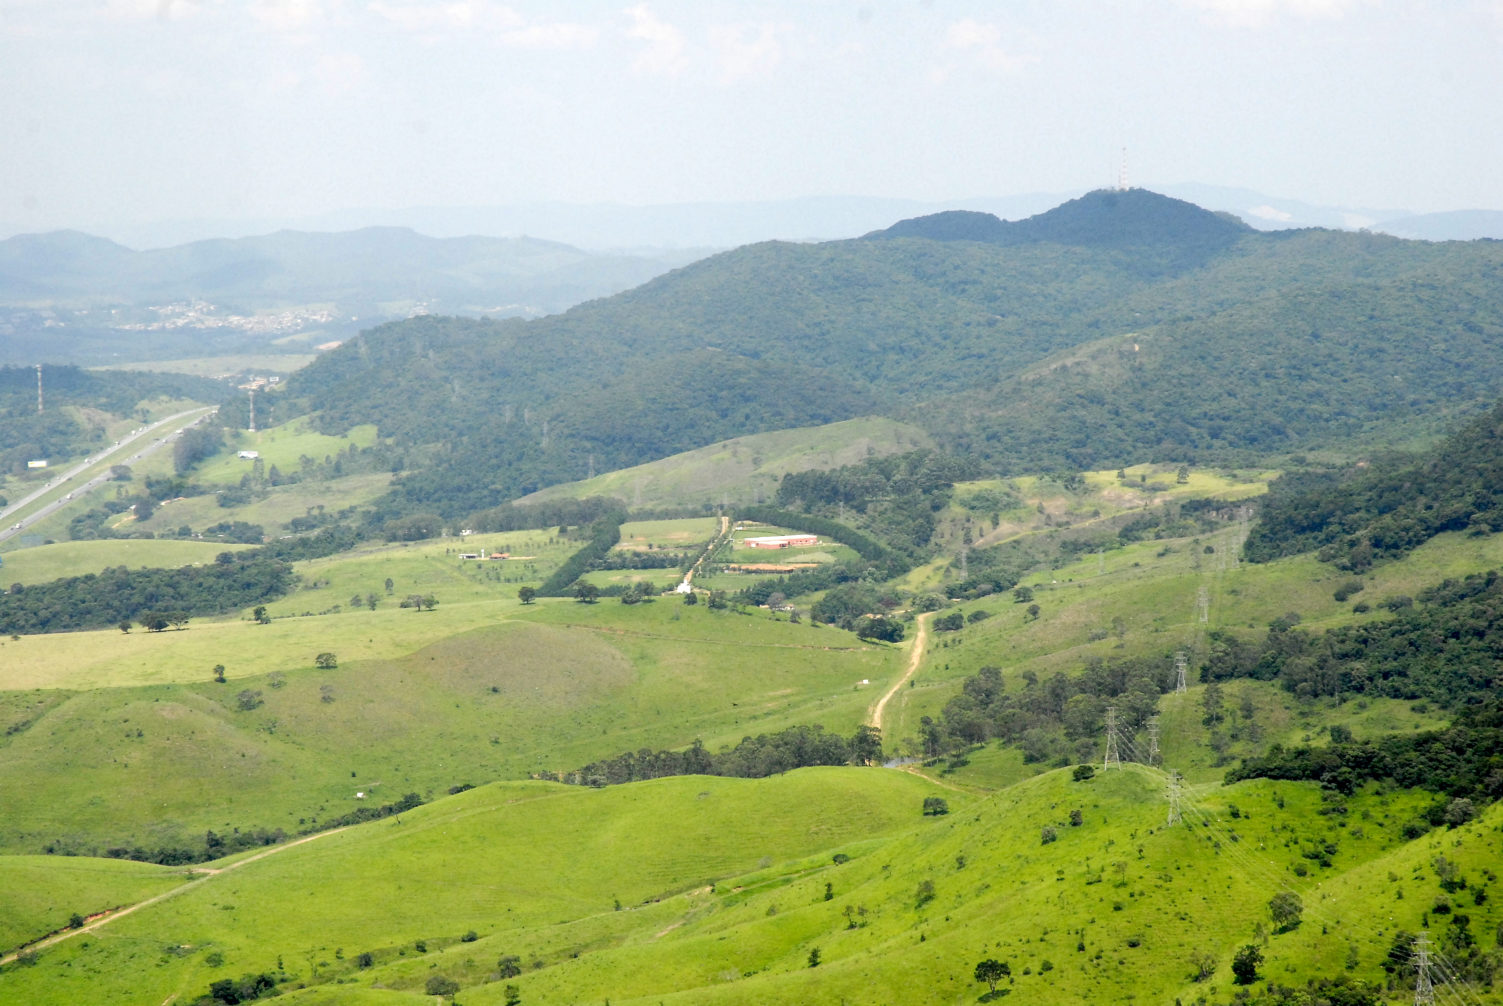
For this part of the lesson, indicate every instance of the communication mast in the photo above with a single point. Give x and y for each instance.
(253, 410)
(39, 387)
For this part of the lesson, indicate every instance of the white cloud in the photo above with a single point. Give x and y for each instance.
(552, 35)
(338, 73)
(458, 15)
(984, 41)
(287, 15)
(664, 55)
(745, 50)
(1266, 212)
(1257, 13)
(140, 10)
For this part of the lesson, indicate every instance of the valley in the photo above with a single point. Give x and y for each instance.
(1111, 596)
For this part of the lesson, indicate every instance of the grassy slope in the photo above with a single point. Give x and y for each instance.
(746, 469)
(1116, 906)
(76, 558)
(38, 894)
(552, 860)
(550, 686)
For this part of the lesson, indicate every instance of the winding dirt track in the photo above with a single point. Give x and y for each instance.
(197, 877)
(920, 637)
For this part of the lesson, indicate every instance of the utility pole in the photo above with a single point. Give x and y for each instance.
(39, 387)
(1424, 992)
(1174, 816)
(1113, 759)
(1153, 741)
(1181, 664)
(252, 410)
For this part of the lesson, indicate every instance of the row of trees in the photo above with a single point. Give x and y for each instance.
(101, 600)
(753, 758)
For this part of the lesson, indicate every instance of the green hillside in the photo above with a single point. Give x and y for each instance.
(744, 469)
(1126, 327)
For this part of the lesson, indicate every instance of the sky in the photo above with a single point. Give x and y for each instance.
(119, 111)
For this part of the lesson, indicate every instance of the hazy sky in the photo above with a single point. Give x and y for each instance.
(139, 110)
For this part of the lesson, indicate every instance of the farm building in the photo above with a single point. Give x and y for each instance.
(781, 541)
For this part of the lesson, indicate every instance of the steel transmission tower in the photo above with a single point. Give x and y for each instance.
(1113, 758)
(1181, 664)
(1153, 741)
(1174, 815)
(1424, 992)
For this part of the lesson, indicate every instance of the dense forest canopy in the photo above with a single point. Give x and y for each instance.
(1119, 328)
(1385, 509)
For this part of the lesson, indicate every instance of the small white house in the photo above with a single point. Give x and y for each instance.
(248, 455)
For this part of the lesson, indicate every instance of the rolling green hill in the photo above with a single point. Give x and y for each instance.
(1126, 327)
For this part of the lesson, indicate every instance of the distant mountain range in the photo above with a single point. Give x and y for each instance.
(72, 297)
(1120, 327)
(601, 226)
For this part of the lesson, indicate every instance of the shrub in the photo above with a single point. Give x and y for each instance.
(441, 985)
(1047, 835)
(934, 806)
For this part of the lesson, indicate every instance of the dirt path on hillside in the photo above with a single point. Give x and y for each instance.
(198, 877)
(920, 638)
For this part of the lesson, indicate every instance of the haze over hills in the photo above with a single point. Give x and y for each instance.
(73, 297)
(1113, 329)
(612, 226)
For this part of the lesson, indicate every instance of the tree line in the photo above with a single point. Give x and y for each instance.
(1385, 509)
(752, 758)
(121, 595)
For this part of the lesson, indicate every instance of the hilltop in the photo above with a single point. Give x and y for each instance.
(1113, 330)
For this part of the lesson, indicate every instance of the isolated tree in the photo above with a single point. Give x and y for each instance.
(992, 971)
(390, 585)
(1205, 964)
(509, 966)
(585, 592)
(1286, 908)
(441, 985)
(371, 600)
(259, 614)
(814, 955)
(154, 621)
(934, 806)
(1033, 612)
(691, 598)
(1245, 964)
(881, 628)
(527, 594)
(124, 625)
(866, 745)
(219, 673)
(1022, 595)
(326, 661)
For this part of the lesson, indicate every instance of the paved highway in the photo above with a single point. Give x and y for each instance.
(95, 470)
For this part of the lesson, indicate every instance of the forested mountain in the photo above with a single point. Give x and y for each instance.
(1119, 328)
(57, 431)
(1385, 509)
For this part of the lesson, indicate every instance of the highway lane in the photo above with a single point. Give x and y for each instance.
(94, 470)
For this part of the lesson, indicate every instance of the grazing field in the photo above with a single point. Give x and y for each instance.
(77, 558)
(288, 447)
(722, 891)
(498, 691)
(746, 469)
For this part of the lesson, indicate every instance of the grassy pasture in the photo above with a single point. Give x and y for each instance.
(149, 764)
(746, 469)
(38, 894)
(281, 504)
(713, 891)
(223, 366)
(77, 558)
(282, 446)
(543, 857)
